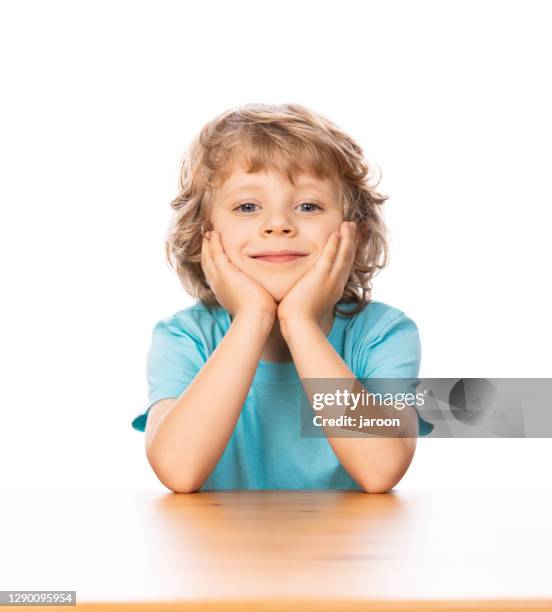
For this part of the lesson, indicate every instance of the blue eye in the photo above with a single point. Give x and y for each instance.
(241, 209)
(245, 204)
(310, 204)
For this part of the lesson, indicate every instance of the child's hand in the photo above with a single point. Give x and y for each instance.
(321, 287)
(234, 290)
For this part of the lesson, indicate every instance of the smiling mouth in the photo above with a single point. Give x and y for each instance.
(277, 258)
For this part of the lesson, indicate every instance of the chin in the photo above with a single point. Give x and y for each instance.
(277, 290)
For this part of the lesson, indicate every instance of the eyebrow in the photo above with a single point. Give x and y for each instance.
(301, 185)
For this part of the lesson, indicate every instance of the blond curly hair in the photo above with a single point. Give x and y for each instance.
(289, 138)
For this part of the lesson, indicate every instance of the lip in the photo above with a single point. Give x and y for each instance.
(278, 258)
(278, 252)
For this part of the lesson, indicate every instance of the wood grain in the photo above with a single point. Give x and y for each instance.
(281, 550)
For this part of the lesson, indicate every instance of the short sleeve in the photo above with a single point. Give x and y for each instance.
(396, 353)
(174, 358)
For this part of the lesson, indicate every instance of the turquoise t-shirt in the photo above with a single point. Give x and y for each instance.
(266, 449)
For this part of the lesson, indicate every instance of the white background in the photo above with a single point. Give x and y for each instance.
(100, 100)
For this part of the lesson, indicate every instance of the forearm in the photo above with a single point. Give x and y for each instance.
(192, 435)
(376, 463)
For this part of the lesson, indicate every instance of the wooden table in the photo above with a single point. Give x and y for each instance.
(281, 550)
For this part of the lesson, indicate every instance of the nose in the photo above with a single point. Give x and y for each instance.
(278, 224)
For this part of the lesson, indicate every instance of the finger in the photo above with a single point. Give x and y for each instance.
(346, 253)
(207, 263)
(218, 255)
(220, 258)
(329, 252)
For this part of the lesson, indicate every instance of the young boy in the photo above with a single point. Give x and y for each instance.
(277, 232)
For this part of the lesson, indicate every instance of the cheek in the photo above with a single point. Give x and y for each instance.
(235, 250)
(319, 241)
(231, 235)
(229, 241)
(319, 232)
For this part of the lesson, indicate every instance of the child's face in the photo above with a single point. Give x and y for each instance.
(264, 212)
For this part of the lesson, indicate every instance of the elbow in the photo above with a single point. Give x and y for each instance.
(179, 485)
(184, 488)
(387, 479)
(382, 483)
(171, 476)
(377, 486)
